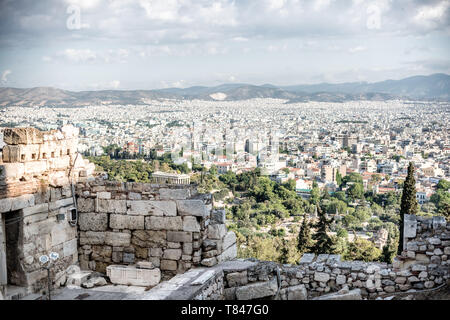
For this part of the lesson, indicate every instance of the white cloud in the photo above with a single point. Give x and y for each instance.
(78, 55)
(430, 16)
(5, 75)
(357, 49)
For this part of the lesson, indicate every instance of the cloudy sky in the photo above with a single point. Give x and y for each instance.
(147, 44)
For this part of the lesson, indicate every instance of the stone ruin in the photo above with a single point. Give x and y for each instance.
(50, 201)
(167, 238)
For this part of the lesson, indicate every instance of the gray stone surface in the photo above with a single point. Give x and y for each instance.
(257, 290)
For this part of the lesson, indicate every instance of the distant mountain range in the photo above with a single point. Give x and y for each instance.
(433, 87)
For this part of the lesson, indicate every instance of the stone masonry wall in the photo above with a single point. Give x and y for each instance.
(423, 265)
(171, 226)
(35, 174)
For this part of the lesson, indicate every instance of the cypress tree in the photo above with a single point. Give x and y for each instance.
(409, 203)
(304, 236)
(323, 242)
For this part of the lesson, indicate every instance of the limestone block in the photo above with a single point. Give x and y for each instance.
(92, 238)
(434, 241)
(112, 206)
(127, 275)
(118, 221)
(172, 254)
(321, 276)
(104, 195)
(341, 279)
(168, 265)
(191, 224)
(179, 236)
(54, 205)
(307, 258)
(236, 279)
(134, 196)
(17, 203)
(163, 223)
(297, 293)
(229, 240)
(187, 248)
(410, 226)
(12, 170)
(229, 254)
(174, 194)
(117, 239)
(149, 238)
(192, 208)
(156, 252)
(216, 231)
(257, 290)
(78, 278)
(70, 247)
(62, 232)
(150, 207)
(85, 205)
(93, 221)
(209, 262)
(5, 205)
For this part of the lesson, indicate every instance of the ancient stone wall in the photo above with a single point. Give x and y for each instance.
(423, 265)
(36, 172)
(171, 226)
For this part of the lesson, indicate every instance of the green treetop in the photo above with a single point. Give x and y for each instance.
(409, 203)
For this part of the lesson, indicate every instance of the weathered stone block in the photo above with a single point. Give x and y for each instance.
(229, 240)
(26, 200)
(112, 206)
(192, 208)
(179, 236)
(307, 258)
(297, 292)
(91, 238)
(410, 226)
(228, 254)
(168, 265)
(191, 224)
(149, 207)
(216, 231)
(104, 195)
(237, 278)
(93, 221)
(85, 204)
(118, 221)
(117, 239)
(163, 223)
(321, 276)
(172, 254)
(133, 276)
(174, 194)
(257, 290)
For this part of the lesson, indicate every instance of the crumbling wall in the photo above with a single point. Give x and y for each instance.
(35, 196)
(423, 265)
(171, 226)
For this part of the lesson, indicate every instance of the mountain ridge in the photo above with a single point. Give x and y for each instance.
(432, 87)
